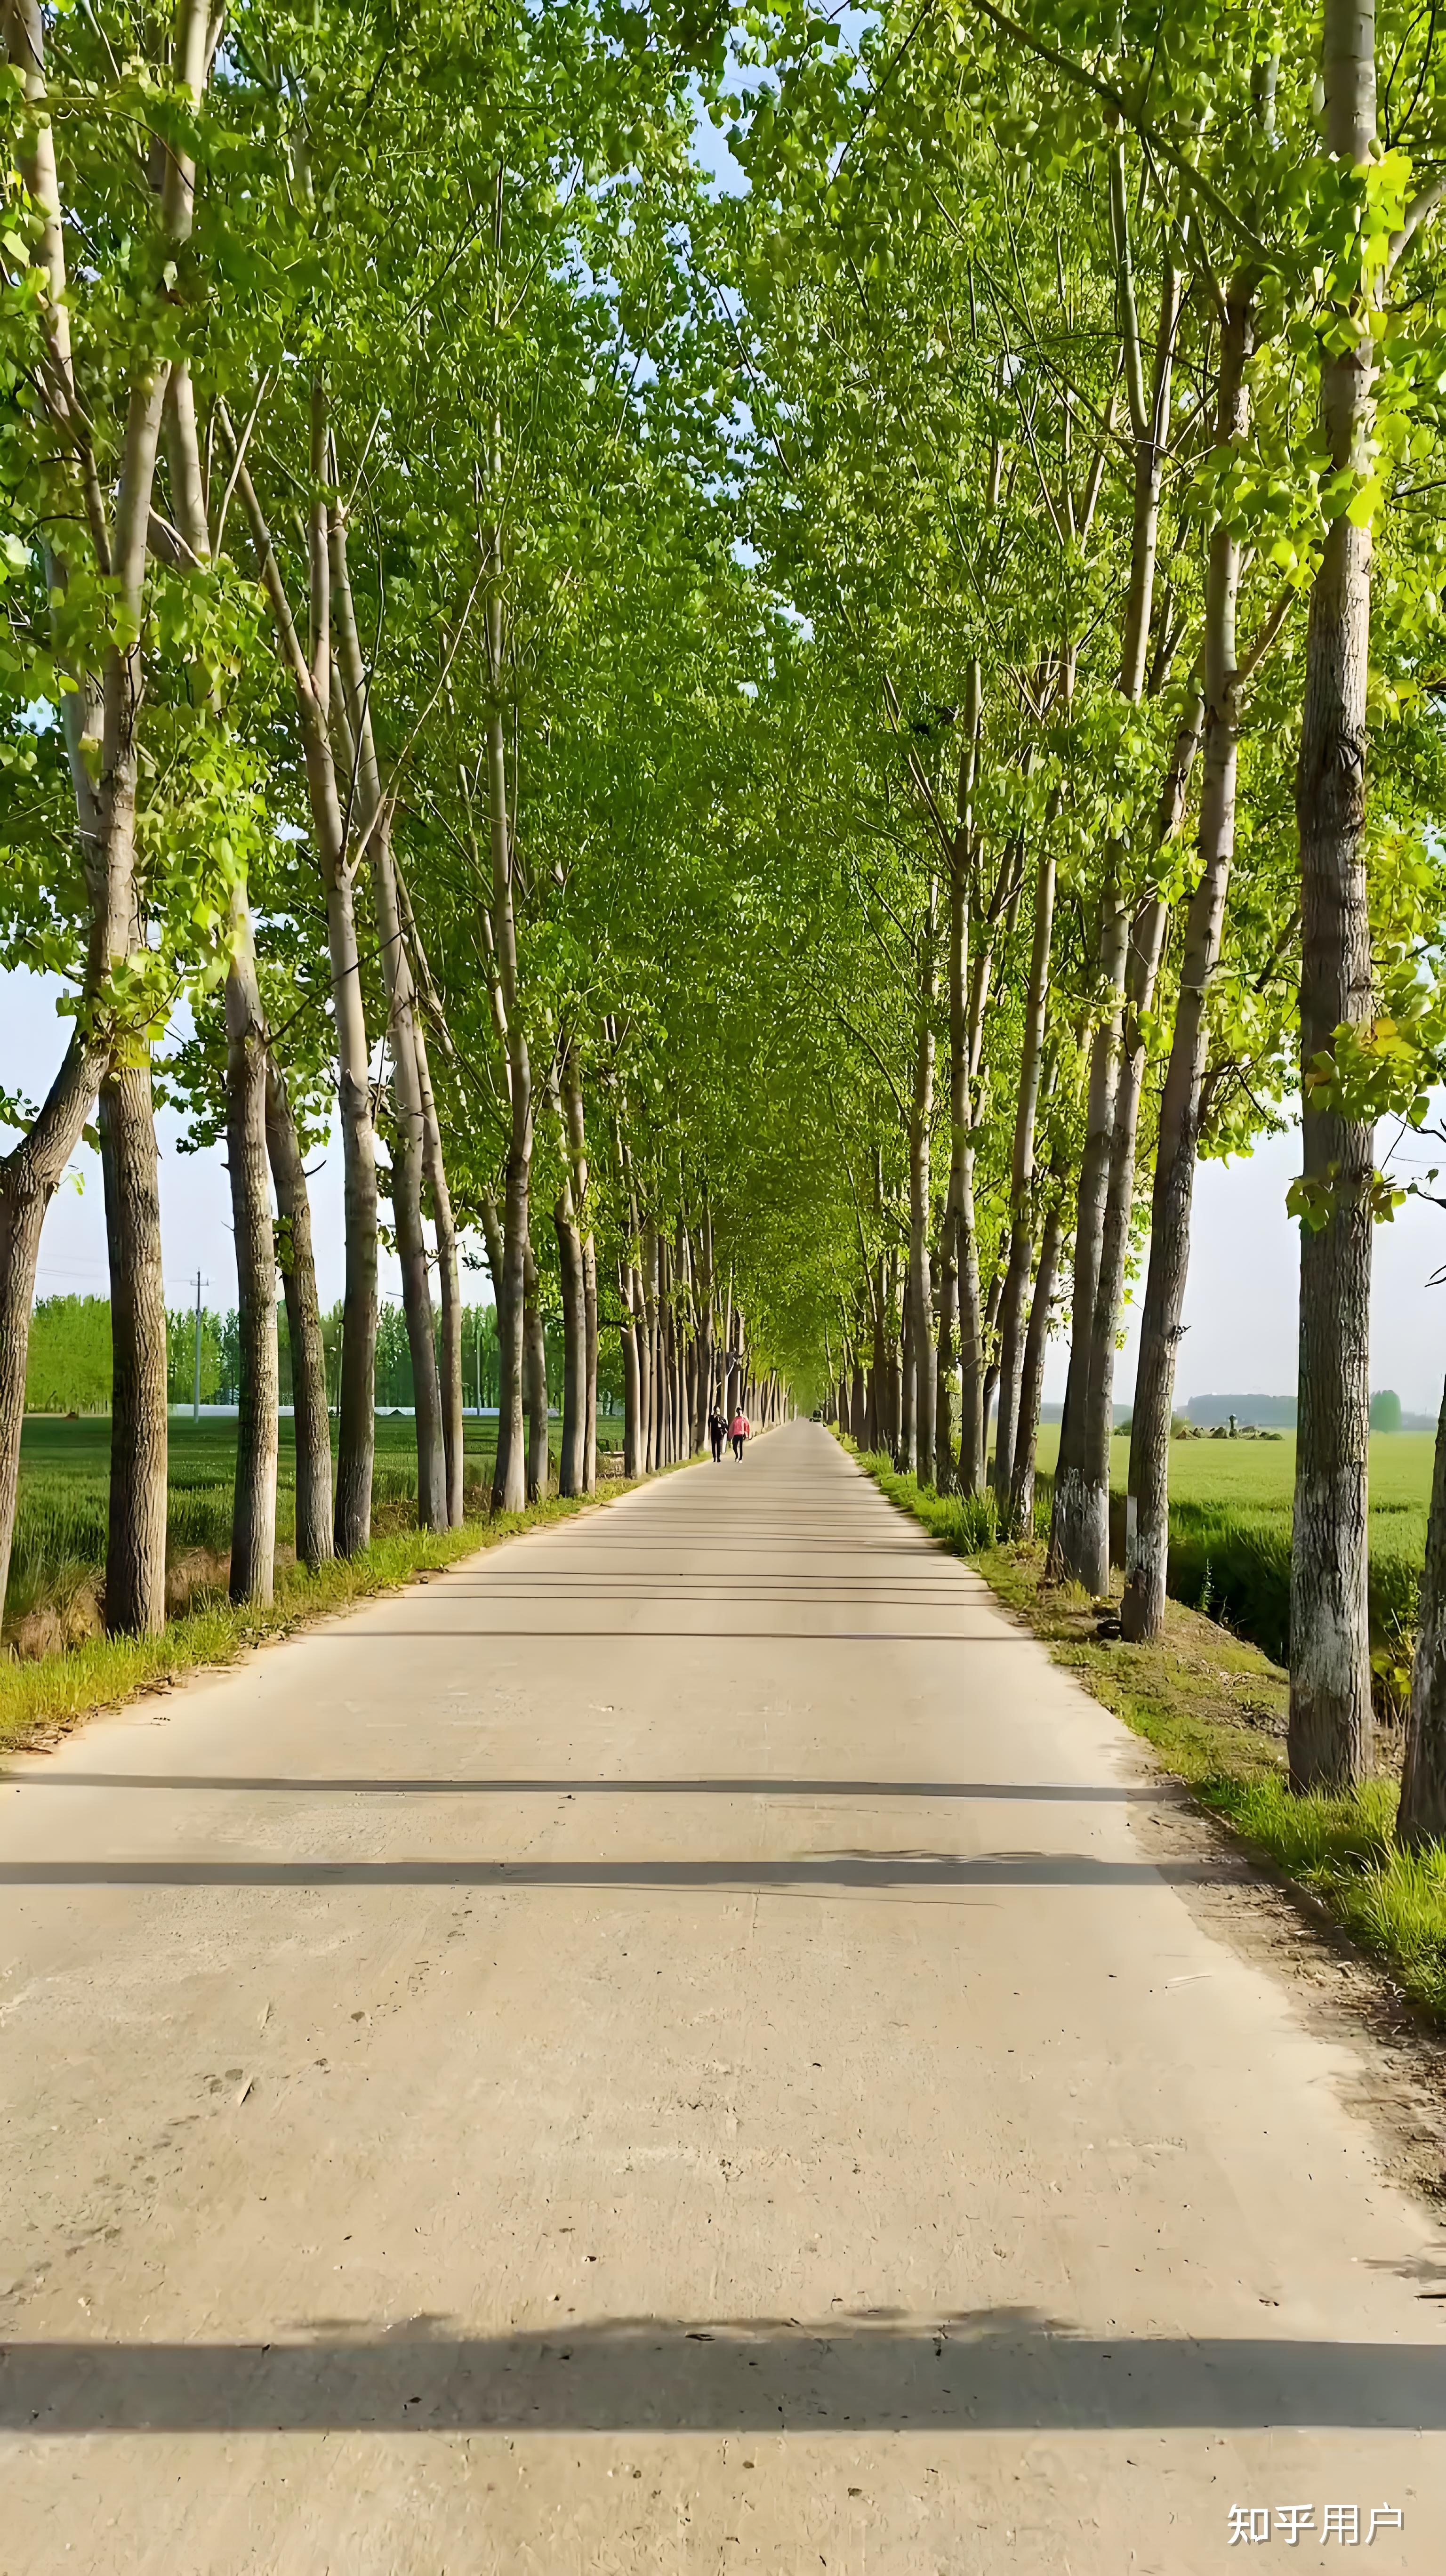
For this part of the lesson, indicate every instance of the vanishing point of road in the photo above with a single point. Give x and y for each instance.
(682, 2044)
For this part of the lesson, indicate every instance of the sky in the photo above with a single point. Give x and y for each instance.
(1240, 1309)
(195, 1189)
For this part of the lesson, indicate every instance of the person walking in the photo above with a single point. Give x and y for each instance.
(738, 1430)
(717, 1434)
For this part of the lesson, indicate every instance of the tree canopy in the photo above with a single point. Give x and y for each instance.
(784, 758)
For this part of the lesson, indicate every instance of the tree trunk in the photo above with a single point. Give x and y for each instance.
(99, 718)
(1020, 1516)
(590, 1358)
(509, 1492)
(451, 1362)
(101, 729)
(571, 1471)
(1067, 1525)
(1147, 1511)
(1421, 1820)
(971, 1329)
(253, 1519)
(1079, 1536)
(920, 1428)
(536, 1371)
(453, 1436)
(356, 1406)
(311, 679)
(1021, 1181)
(645, 1372)
(706, 1293)
(407, 1146)
(577, 1151)
(510, 1485)
(350, 711)
(1146, 948)
(634, 1450)
(311, 1416)
(654, 1416)
(1092, 1527)
(905, 1454)
(1330, 1676)
(29, 1178)
(135, 1566)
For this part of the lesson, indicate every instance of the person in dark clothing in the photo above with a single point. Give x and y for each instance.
(717, 1434)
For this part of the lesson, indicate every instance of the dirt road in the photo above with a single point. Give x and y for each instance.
(675, 2047)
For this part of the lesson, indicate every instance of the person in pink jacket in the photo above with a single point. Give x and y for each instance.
(739, 1430)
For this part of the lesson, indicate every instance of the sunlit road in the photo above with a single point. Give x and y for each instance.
(680, 2045)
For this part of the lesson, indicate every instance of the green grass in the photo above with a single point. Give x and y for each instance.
(1230, 1508)
(1213, 1707)
(53, 1599)
(44, 1692)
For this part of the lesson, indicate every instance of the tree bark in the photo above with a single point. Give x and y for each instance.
(100, 723)
(572, 1100)
(1079, 1535)
(311, 1416)
(1020, 1519)
(1146, 949)
(965, 1027)
(1067, 1527)
(311, 679)
(29, 1178)
(351, 718)
(135, 1566)
(571, 1473)
(919, 1428)
(707, 1290)
(654, 1415)
(1330, 1677)
(253, 1520)
(510, 1486)
(1021, 1178)
(905, 1452)
(1091, 1563)
(1421, 1819)
(453, 1434)
(633, 1445)
(1147, 1511)
(536, 1366)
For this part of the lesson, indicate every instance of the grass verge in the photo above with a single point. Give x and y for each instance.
(41, 1698)
(1214, 1710)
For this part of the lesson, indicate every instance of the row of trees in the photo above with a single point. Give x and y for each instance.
(795, 751)
(1096, 372)
(68, 1360)
(346, 559)
(218, 1332)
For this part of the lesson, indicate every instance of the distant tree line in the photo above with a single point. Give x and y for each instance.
(69, 1363)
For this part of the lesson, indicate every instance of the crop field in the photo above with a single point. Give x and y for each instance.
(1230, 1506)
(60, 1534)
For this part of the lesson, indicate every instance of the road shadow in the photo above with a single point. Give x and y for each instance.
(1003, 2372)
(861, 1872)
(1007, 1790)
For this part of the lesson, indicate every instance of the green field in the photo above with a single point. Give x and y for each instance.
(1230, 1506)
(60, 1531)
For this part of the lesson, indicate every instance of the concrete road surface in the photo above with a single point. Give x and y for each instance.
(680, 2045)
